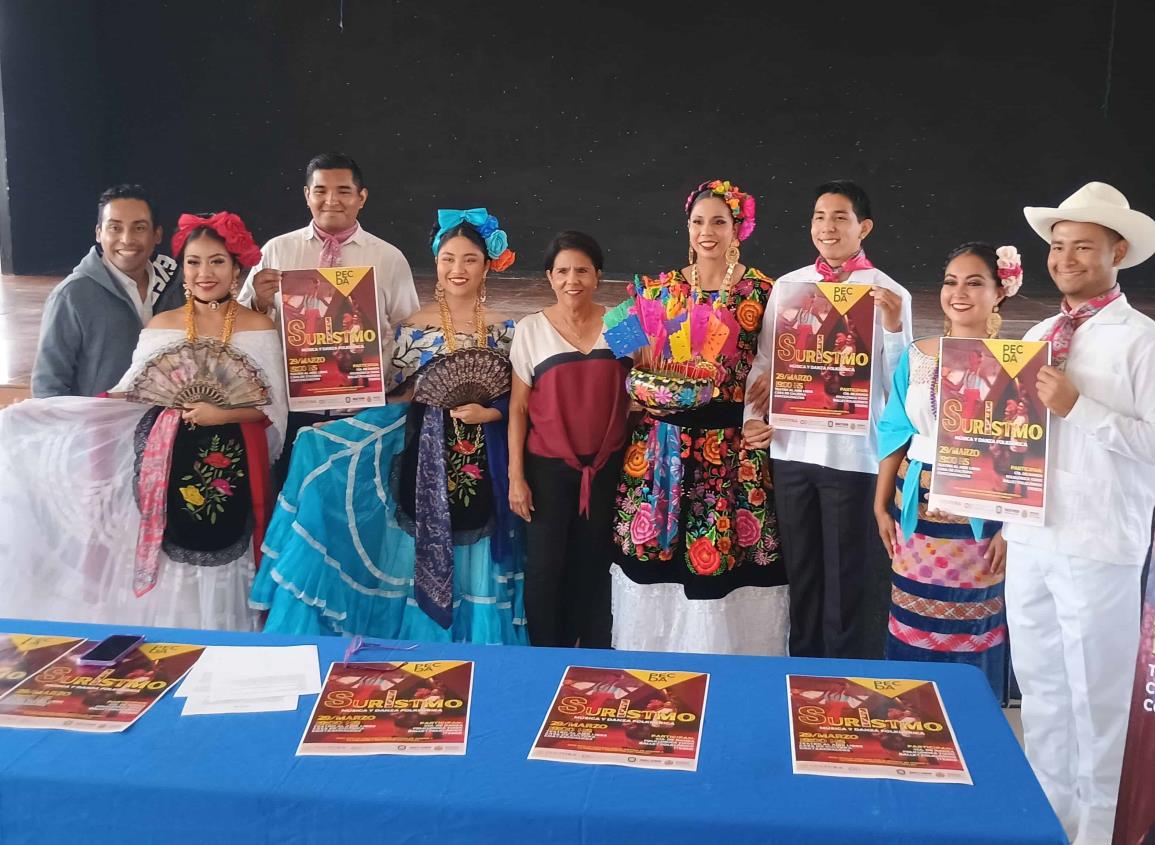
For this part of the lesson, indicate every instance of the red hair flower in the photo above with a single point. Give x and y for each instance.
(229, 227)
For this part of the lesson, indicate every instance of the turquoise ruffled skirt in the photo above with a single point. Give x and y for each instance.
(336, 561)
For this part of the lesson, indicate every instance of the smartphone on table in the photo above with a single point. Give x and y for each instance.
(111, 649)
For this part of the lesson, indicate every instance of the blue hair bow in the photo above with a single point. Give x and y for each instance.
(479, 218)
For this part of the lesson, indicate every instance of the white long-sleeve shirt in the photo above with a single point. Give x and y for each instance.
(849, 452)
(1101, 457)
(301, 250)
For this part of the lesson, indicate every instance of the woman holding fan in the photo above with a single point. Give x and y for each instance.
(695, 536)
(136, 515)
(395, 523)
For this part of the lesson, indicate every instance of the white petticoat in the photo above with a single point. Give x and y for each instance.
(659, 617)
(69, 524)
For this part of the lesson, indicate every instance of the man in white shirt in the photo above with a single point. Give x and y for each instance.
(1072, 588)
(92, 319)
(824, 483)
(335, 194)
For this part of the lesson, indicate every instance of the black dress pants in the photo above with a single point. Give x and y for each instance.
(567, 567)
(825, 524)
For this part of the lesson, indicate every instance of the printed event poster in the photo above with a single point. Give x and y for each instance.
(103, 699)
(332, 338)
(872, 728)
(823, 343)
(22, 655)
(391, 708)
(991, 453)
(625, 717)
(1135, 816)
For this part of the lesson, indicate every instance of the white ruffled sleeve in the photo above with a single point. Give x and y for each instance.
(264, 347)
(148, 344)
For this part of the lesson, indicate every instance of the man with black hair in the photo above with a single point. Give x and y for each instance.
(1072, 591)
(824, 483)
(92, 319)
(335, 193)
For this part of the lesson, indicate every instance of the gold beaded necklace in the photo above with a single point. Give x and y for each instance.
(447, 322)
(190, 321)
(723, 292)
(480, 340)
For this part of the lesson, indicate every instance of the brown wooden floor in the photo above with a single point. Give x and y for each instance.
(22, 299)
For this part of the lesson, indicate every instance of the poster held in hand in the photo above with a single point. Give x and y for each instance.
(331, 334)
(991, 447)
(822, 357)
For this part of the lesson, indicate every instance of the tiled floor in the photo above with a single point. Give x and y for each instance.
(22, 298)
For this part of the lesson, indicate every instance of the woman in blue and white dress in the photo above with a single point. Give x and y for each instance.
(395, 523)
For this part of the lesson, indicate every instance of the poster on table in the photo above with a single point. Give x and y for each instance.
(391, 708)
(22, 655)
(991, 448)
(625, 717)
(331, 333)
(1135, 814)
(872, 728)
(822, 357)
(71, 695)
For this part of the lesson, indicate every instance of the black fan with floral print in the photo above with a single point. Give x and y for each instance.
(467, 376)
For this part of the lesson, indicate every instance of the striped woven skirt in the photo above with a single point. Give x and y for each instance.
(945, 605)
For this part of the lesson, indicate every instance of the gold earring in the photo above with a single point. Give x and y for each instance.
(946, 327)
(994, 323)
(693, 256)
(187, 294)
(439, 293)
(481, 293)
(733, 253)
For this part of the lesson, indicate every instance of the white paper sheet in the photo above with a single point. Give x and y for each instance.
(194, 706)
(234, 674)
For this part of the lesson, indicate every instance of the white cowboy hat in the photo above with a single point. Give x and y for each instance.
(1098, 202)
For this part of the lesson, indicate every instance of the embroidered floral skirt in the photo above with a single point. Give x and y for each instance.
(945, 605)
(694, 509)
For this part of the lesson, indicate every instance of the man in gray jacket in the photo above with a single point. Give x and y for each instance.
(92, 319)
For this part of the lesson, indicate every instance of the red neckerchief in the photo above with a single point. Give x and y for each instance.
(1063, 330)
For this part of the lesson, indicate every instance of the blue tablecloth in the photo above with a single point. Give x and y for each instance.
(234, 778)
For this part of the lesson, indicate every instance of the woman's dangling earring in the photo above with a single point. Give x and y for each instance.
(733, 253)
(481, 293)
(994, 323)
(693, 256)
(187, 294)
(439, 293)
(946, 327)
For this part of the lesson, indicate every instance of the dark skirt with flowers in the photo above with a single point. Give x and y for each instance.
(209, 516)
(720, 531)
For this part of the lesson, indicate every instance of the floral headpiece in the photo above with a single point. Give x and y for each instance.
(496, 241)
(740, 203)
(1010, 269)
(228, 226)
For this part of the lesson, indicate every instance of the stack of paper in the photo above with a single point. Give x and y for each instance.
(250, 679)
